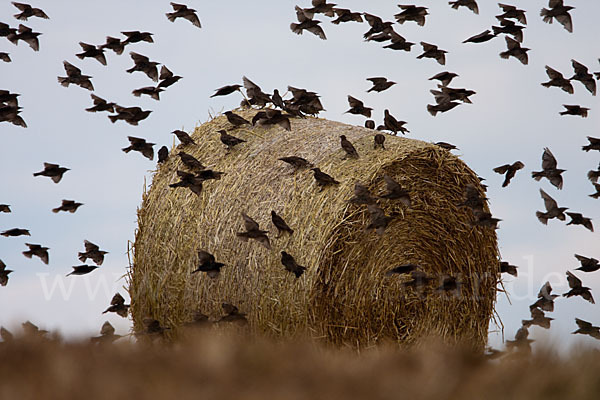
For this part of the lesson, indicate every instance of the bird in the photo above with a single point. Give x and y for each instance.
(597, 193)
(593, 175)
(398, 42)
(515, 50)
(537, 318)
(229, 140)
(190, 181)
(593, 145)
(14, 232)
(190, 161)
(27, 35)
(140, 145)
(509, 27)
(348, 147)
(392, 124)
(28, 11)
(225, 90)
(432, 51)
(5, 208)
(361, 195)
(549, 170)
(510, 170)
(255, 94)
(101, 105)
(38, 251)
(280, 224)
(82, 269)
(114, 44)
(552, 209)
(163, 154)
(485, 219)
(579, 219)
(143, 64)
(521, 341)
(322, 179)
(403, 269)
(137, 36)
(582, 75)
(91, 51)
(378, 220)
(473, 199)
(131, 115)
(232, 314)
(557, 79)
(577, 289)
(446, 146)
(207, 263)
(411, 13)
(270, 117)
(345, 15)
(93, 252)
(4, 274)
(75, 77)
(277, 99)
(557, 10)
(320, 7)
(512, 12)
(588, 264)
(5, 57)
(441, 107)
(235, 119)
(303, 101)
(253, 231)
(545, 299)
(183, 137)
(167, 78)
(378, 141)
(67, 205)
(576, 110)
(380, 84)
(182, 11)
(507, 268)
(444, 77)
(481, 37)
(358, 108)
(298, 163)
(151, 91)
(447, 94)
(53, 171)
(586, 328)
(11, 114)
(306, 23)
(370, 124)
(376, 23)
(470, 4)
(291, 265)
(118, 306)
(395, 192)
(107, 334)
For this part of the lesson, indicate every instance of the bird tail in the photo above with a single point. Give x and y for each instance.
(587, 148)
(593, 176)
(545, 13)
(126, 149)
(296, 28)
(432, 110)
(546, 84)
(563, 112)
(80, 56)
(37, 173)
(504, 55)
(595, 195)
(113, 118)
(171, 16)
(542, 217)
(130, 70)
(453, 4)
(56, 210)
(63, 81)
(28, 254)
(537, 175)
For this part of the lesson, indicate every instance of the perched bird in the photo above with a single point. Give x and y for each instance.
(101, 105)
(593, 175)
(183, 137)
(449, 284)
(14, 232)
(163, 154)
(411, 13)
(378, 141)
(93, 252)
(379, 221)
(291, 265)
(432, 51)
(143, 64)
(53, 171)
(403, 269)
(370, 124)
(140, 145)
(507, 268)
(277, 99)
(182, 11)
(270, 117)
(380, 84)
(306, 23)
(4, 274)
(235, 119)
(512, 12)
(190, 181)
(167, 78)
(253, 231)
(137, 36)
(280, 224)
(575, 110)
(228, 140)
(485, 219)
(537, 318)
(28, 11)
(557, 79)
(348, 147)
(118, 306)
(545, 299)
(114, 44)
(444, 77)
(558, 11)
(521, 341)
(515, 50)
(509, 27)
(75, 77)
(5, 208)
(27, 35)
(345, 15)
(190, 161)
(232, 314)
(107, 334)
(470, 4)
(91, 51)
(357, 107)
(441, 107)
(577, 289)
(582, 75)
(481, 37)
(579, 219)
(297, 162)
(594, 144)
(38, 251)
(208, 264)
(549, 170)
(395, 192)
(361, 195)
(151, 91)
(446, 146)
(322, 179)
(588, 264)
(510, 170)
(82, 269)
(225, 90)
(67, 205)
(552, 209)
(392, 124)
(5, 57)
(586, 328)
(131, 115)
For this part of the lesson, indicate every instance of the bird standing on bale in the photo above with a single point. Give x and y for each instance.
(140, 145)
(291, 265)
(118, 306)
(392, 124)
(182, 11)
(93, 252)
(228, 140)
(53, 171)
(253, 232)
(577, 289)
(82, 269)
(510, 170)
(395, 192)
(183, 137)
(190, 161)
(348, 147)
(163, 154)
(208, 264)
(67, 205)
(297, 162)
(549, 170)
(323, 180)
(235, 119)
(449, 284)
(280, 224)
(378, 141)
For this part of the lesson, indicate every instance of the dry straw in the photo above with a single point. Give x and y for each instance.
(344, 297)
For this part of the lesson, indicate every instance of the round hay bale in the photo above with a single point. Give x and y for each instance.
(345, 295)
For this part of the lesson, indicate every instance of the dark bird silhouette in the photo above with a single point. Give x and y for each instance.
(358, 108)
(537, 318)
(143, 64)
(11, 114)
(597, 194)
(280, 224)
(449, 284)
(403, 269)
(378, 141)
(586, 328)
(509, 27)
(441, 107)
(101, 105)
(432, 51)
(235, 119)
(521, 341)
(225, 90)
(506, 268)
(8, 98)
(114, 44)
(447, 95)
(5, 208)
(361, 195)
(575, 110)
(4, 276)
(270, 117)
(545, 299)
(345, 15)
(395, 192)
(82, 269)
(28, 11)
(594, 144)
(510, 170)
(27, 35)
(291, 265)
(191, 181)
(583, 75)
(446, 146)
(53, 171)
(552, 209)
(15, 232)
(163, 154)
(253, 231)
(320, 7)
(379, 221)
(75, 77)
(348, 147)
(512, 12)
(392, 124)
(255, 94)
(107, 334)
(167, 78)
(370, 124)
(549, 170)
(232, 314)
(411, 13)
(137, 36)
(579, 219)
(277, 99)
(380, 84)
(557, 79)
(557, 10)
(38, 251)
(377, 25)
(190, 161)
(140, 145)
(91, 51)
(131, 115)
(470, 4)
(297, 162)
(151, 91)
(153, 328)
(183, 137)
(588, 264)
(481, 37)
(67, 205)
(182, 11)
(93, 252)
(118, 306)
(207, 263)
(515, 50)
(593, 175)
(577, 289)
(398, 42)
(306, 23)
(5, 57)
(444, 77)
(322, 179)
(303, 101)
(228, 140)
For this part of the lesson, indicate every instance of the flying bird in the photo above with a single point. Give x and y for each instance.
(545, 299)
(225, 90)
(4, 274)
(361, 195)
(14, 232)
(167, 78)
(586, 328)
(481, 37)
(358, 108)
(579, 219)
(512, 12)
(521, 341)
(575, 110)
(253, 231)
(280, 224)
(549, 170)
(137, 36)
(131, 115)
(583, 75)
(509, 27)
(28, 11)
(190, 181)
(38, 251)
(82, 269)
(101, 105)
(53, 171)
(395, 192)
(143, 64)
(118, 306)
(67, 206)
(182, 11)
(506, 268)
(207, 263)
(557, 10)
(432, 51)
(345, 15)
(306, 23)
(557, 79)
(140, 145)
(291, 265)
(5, 57)
(433, 109)
(510, 170)
(411, 13)
(114, 44)
(552, 209)
(515, 50)
(5, 208)
(593, 145)
(577, 289)
(444, 77)
(588, 264)
(93, 252)
(27, 35)
(470, 4)
(379, 221)
(537, 318)
(151, 91)
(75, 77)
(377, 25)
(380, 84)
(91, 51)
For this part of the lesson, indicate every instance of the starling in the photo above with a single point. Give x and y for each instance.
(510, 170)
(586, 328)
(6, 30)
(151, 91)
(140, 144)
(67, 205)
(208, 264)
(444, 77)
(593, 175)
(575, 110)
(515, 50)
(75, 77)
(398, 42)
(587, 264)
(191, 181)
(545, 299)
(280, 224)
(143, 64)
(432, 51)
(507, 268)
(560, 12)
(190, 161)
(348, 147)
(370, 124)
(510, 28)
(183, 137)
(441, 108)
(277, 99)
(485, 219)
(470, 4)
(5, 208)
(378, 141)
(557, 79)
(5, 57)
(235, 119)
(303, 101)
(549, 170)
(552, 209)
(449, 284)
(11, 114)
(392, 124)
(579, 219)
(380, 84)
(594, 144)
(101, 105)
(131, 115)
(582, 75)
(15, 232)
(521, 342)
(163, 154)
(153, 327)
(361, 195)
(537, 318)
(297, 162)
(137, 36)
(322, 179)
(114, 44)
(411, 13)
(357, 107)
(308, 24)
(53, 171)
(256, 96)
(253, 232)
(377, 25)
(291, 265)
(182, 11)
(577, 289)
(38, 251)
(167, 78)
(446, 146)
(228, 140)
(118, 306)
(272, 117)
(481, 37)
(91, 51)
(447, 94)
(512, 12)
(345, 15)
(320, 7)
(28, 11)
(395, 191)
(107, 334)
(4, 274)
(379, 221)
(233, 314)
(82, 269)
(597, 193)
(403, 269)
(93, 252)
(27, 35)
(225, 90)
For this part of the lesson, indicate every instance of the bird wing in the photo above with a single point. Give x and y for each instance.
(373, 19)
(193, 18)
(117, 300)
(97, 100)
(517, 165)
(553, 74)
(565, 20)
(71, 69)
(502, 169)
(583, 324)
(545, 291)
(89, 246)
(549, 202)
(548, 160)
(21, 6)
(506, 7)
(138, 58)
(165, 73)
(86, 46)
(249, 223)
(574, 282)
(579, 68)
(377, 80)
(205, 257)
(512, 44)
(521, 334)
(354, 102)
(317, 3)
(179, 7)
(428, 47)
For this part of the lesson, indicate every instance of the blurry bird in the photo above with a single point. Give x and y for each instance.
(444, 77)
(53, 171)
(557, 79)
(38, 251)
(552, 209)
(280, 224)
(167, 78)
(370, 124)
(140, 145)
(131, 115)
(579, 219)
(152, 327)
(101, 105)
(348, 147)
(515, 50)
(587, 264)
(225, 90)
(297, 162)
(253, 231)
(67, 205)
(28, 11)
(470, 4)
(481, 37)
(577, 289)
(207, 174)
(378, 141)
(235, 119)
(82, 269)
(255, 94)
(411, 13)
(322, 179)
(228, 140)
(303, 101)
(15, 232)
(118, 306)
(380, 84)
(575, 110)
(510, 170)
(182, 11)
(545, 299)
(4, 275)
(91, 51)
(107, 334)
(379, 221)
(432, 51)
(345, 15)
(473, 199)
(291, 265)
(163, 154)
(190, 161)
(392, 124)
(558, 11)
(207, 263)
(306, 23)
(512, 12)
(32, 330)
(441, 107)
(507, 268)
(537, 318)
(6, 30)
(395, 192)
(270, 117)
(510, 28)
(582, 75)
(320, 7)
(143, 64)
(549, 170)
(277, 99)
(191, 181)
(447, 94)
(403, 269)
(8, 98)
(183, 137)
(446, 146)
(361, 195)
(449, 284)
(11, 114)
(594, 144)
(151, 91)
(137, 36)
(357, 107)
(597, 194)
(93, 252)
(27, 35)
(521, 341)
(114, 44)
(586, 328)
(232, 314)
(199, 320)
(593, 175)
(5, 208)
(75, 77)
(485, 219)
(5, 57)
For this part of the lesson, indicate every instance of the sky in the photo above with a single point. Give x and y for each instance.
(512, 118)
